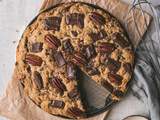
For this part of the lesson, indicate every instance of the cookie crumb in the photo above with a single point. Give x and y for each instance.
(14, 42)
(0, 0)
(16, 30)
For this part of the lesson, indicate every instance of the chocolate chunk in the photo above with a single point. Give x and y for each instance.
(120, 40)
(58, 104)
(112, 64)
(66, 9)
(107, 85)
(36, 47)
(92, 71)
(118, 93)
(52, 23)
(90, 51)
(74, 94)
(128, 67)
(75, 19)
(97, 36)
(38, 80)
(75, 34)
(59, 59)
(71, 70)
(67, 46)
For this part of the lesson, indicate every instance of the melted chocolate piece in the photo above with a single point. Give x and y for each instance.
(52, 23)
(107, 85)
(67, 46)
(112, 64)
(36, 47)
(120, 40)
(92, 71)
(58, 104)
(75, 34)
(75, 19)
(71, 70)
(38, 80)
(59, 59)
(128, 67)
(74, 94)
(90, 51)
(97, 36)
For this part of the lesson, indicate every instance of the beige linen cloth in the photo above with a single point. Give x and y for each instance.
(16, 105)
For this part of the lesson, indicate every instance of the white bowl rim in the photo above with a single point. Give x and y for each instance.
(140, 116)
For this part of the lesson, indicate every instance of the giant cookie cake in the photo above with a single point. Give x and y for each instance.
(71, 36)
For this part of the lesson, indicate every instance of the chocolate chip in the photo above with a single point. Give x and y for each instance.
(128, 67)
(58, 104)
(59, 59)
(52, 23)
(29, 69)
(66, 9)
(90, 51)
(74, 94)
(38, 80)
(120, 40)
(107, 85)
(97, 36)
(71, 70)
(92, 71)
(112, 64)
(41, 69)
(75, 34)
(75, 19)
(36, 47)
(67, 46)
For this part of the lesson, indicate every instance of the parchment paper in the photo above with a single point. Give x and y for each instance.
(15, 104)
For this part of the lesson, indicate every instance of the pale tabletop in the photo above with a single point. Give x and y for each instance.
(14, 16)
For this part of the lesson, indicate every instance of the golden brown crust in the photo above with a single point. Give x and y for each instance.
(36, 33)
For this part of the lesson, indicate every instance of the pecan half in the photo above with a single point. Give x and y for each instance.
(76, 111)
(117, 79)
(33, 60)
(97, 18)
(105, 47)
(58, 85)
(79, 60)
(53, 41)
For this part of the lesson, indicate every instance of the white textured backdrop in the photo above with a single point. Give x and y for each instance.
(14, 15)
